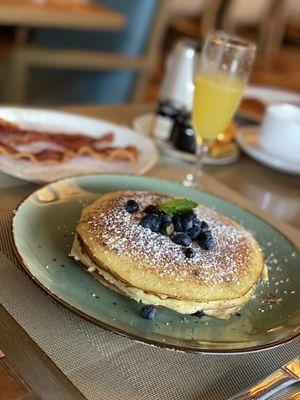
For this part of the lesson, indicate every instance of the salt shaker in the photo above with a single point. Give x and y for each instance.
(177, 89)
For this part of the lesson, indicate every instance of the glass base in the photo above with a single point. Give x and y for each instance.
(189, 181)
(192, 179)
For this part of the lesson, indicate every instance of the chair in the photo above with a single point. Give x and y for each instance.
(270, 16)
(195, 18)
(282, 13)
(244, 13)
(108, 67)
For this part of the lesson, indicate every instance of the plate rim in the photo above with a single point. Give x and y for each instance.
(292, 336)
(241, 131)
(142, 170)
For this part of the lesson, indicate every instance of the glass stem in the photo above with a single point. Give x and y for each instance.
(193, 177)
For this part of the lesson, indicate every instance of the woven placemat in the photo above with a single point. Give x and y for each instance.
(106, 366)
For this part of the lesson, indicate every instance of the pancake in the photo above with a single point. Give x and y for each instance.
(220, 309)
(150, 268)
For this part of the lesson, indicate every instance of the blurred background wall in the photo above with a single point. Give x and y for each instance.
(41, 65)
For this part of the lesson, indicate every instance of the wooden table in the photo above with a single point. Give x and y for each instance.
(85, 16)
(265, 188)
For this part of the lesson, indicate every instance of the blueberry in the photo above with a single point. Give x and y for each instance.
(194, 232)
(199, 314)
(197, 222)
(206, 241)
(177, 223)
(148, 312)
(204, 226)
(187, 222)
(182, 239)
(166, 218)
(132, 206)
(151, 221)
(189, 214)
(189, 252)
(151, 209)
(167, 229)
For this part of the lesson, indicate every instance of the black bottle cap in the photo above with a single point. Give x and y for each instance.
(168, 108)
(184, 138)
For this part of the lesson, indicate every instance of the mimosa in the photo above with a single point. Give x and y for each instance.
(216, 99)
(222, 73)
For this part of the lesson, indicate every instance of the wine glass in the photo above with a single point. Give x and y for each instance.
(221, 76)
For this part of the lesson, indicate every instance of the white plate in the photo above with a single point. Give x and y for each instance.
(247, 138)
(142, 124)
(268, 95)
(53, 122)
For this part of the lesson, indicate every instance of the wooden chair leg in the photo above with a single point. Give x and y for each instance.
(271, 32)
(140, 85)
(21, 35)
(208, 18)
(17, 79)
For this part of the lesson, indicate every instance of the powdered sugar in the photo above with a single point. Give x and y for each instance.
(121, 233)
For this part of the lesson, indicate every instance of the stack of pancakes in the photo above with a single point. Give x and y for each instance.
(149, 268)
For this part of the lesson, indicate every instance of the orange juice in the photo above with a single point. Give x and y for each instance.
(216, 99)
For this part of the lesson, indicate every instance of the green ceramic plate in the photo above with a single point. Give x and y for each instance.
(43, 229)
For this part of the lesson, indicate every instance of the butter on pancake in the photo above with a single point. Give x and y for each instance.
(147, 266)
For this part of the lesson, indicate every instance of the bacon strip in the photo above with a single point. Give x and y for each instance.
(71, 145)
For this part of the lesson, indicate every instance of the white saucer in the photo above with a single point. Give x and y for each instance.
(142, 124)
(247, 139)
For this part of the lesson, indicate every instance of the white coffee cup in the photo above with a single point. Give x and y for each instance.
(280, 132)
